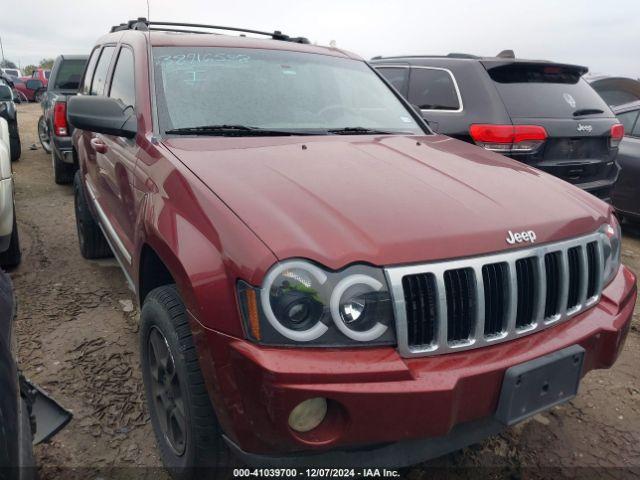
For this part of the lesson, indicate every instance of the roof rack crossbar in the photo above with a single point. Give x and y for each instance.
(145, 25)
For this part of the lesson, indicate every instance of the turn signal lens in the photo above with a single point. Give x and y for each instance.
(308, 414)
(617, 133)
(508, 138)
(252, 310)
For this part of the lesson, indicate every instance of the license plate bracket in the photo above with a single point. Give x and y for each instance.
(540, 384)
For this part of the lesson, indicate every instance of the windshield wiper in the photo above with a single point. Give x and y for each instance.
(587, 111)
(358, 131)
(232, 130)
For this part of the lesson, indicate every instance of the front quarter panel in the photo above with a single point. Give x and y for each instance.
(204, 245)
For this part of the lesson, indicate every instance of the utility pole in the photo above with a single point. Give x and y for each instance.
(2, 49)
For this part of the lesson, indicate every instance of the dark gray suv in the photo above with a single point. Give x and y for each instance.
(540, 113)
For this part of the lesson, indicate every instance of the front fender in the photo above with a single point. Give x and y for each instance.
(203, 244)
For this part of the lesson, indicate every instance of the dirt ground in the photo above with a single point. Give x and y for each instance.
(77, 338)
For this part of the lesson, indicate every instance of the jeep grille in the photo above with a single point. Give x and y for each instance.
(461, 304)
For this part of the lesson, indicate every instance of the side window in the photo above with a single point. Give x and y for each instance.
(123, 84)
(100, 75)
(396, 76)
(432, 89)
(628, 119)
(636, 130)
(88, 73)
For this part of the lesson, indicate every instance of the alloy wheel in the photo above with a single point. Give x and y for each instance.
(165, 387)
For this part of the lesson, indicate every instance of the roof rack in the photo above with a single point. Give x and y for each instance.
(143, 24)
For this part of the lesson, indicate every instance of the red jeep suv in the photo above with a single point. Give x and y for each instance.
(324, 281)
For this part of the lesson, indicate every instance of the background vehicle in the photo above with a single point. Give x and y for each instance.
(53, 130)
(626, 194)
(540, 113)
(31, 88)
(615, 90)
(9, 112)
(14, 72)
(10, 254)
(27, 414)
(40, 74)
(288, 223)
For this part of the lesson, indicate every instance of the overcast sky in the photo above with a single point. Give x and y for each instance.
(603, 35)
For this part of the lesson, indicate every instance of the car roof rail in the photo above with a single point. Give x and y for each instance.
(462, 55)
(143, 24)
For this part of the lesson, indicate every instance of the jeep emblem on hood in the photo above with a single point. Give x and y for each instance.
(585, 128)
(520, 237)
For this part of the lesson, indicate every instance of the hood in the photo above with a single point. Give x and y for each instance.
(384, 200)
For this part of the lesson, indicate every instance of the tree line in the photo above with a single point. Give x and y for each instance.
(45, 63)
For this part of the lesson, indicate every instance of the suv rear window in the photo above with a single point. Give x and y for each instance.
(69, 74)
(545, 91)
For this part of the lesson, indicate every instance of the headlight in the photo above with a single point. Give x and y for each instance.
(301, 303)
(612, 236)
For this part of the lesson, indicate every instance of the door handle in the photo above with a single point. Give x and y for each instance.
(98, 145)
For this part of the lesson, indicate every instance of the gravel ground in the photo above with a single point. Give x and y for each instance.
(77, 338)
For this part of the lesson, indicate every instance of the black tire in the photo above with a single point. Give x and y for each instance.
(39, 95)
(202, 453)
(12, 256)
(92, 242)
(63, 173)
(43, 134)
(14, 141)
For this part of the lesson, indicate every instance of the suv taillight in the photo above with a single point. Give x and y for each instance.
(60, 119)
(508, 138)
(617, 132)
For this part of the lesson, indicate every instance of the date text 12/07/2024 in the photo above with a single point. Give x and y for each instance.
(315, 473)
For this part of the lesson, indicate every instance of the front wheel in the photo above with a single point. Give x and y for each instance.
(43, 134)
(187, 431)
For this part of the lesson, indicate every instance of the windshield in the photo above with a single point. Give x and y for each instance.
(273, 90)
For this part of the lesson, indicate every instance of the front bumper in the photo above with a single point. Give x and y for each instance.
(426, 406)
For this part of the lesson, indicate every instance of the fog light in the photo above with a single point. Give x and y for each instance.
(308, 414)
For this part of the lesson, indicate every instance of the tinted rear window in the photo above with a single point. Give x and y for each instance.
(69, 74)
(546, 91)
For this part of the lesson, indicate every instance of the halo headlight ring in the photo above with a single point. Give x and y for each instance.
(373, 333)
(309, 335)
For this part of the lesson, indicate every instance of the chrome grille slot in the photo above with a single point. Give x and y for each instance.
(552, 262)
(460, 304)
(496, 294)
(574, 277)
(526, 278)
(592, 265)
(461, 293)
(421, 300)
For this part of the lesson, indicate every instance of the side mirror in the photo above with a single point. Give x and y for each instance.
(102, 115)
(34, 84)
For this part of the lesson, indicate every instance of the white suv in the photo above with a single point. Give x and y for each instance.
(9, 243)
